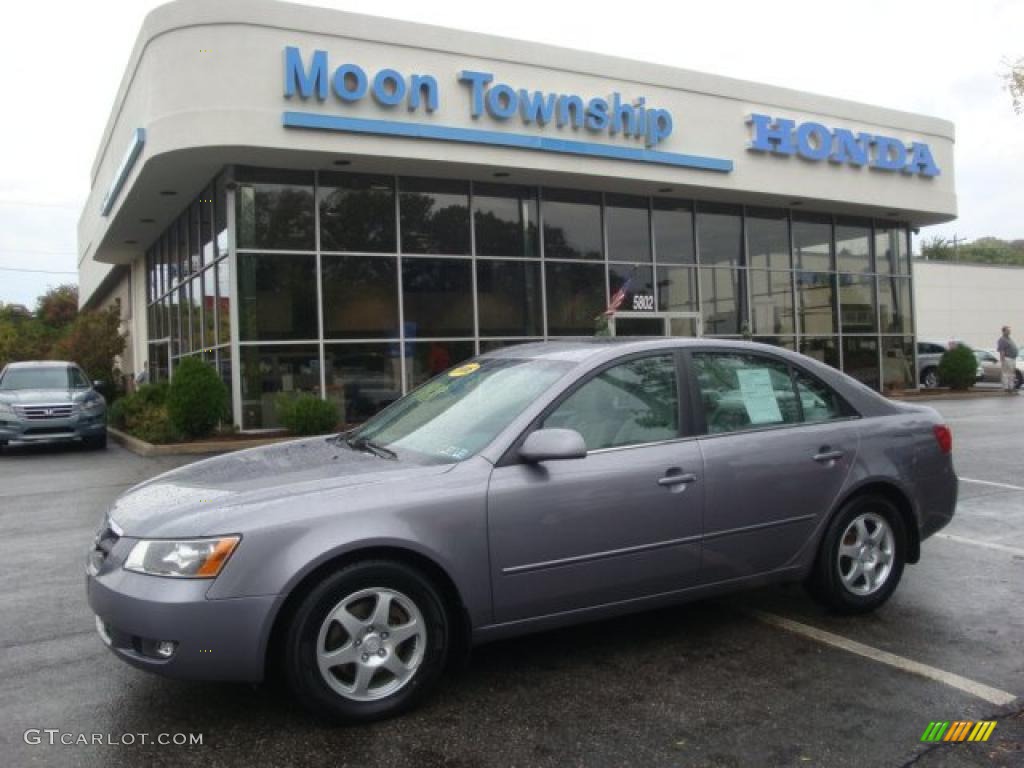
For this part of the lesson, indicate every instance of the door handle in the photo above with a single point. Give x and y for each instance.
(677, 477)
(826, 456)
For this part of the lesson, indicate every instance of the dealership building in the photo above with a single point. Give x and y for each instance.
(318, 201)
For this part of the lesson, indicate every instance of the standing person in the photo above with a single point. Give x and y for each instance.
(1008, 360)
(142, 377)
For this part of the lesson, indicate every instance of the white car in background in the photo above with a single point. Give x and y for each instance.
(992, 371)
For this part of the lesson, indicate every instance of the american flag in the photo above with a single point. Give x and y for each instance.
(618, 297)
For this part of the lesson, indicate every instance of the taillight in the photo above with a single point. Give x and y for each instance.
(944, 437)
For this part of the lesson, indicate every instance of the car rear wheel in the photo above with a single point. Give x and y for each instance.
(366, 643)
(1018, 380)
(860, 561)
(930, 378)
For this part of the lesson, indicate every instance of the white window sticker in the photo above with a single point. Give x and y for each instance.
(759, 396)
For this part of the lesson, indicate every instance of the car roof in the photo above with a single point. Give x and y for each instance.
(587, 348)
(41, 364)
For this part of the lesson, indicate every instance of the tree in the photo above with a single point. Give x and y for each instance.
(1014, 79)
(58, 307)
(93, 341)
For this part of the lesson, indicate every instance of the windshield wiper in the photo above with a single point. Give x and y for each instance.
(367, 445)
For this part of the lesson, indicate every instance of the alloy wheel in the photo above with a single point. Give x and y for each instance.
(866, 552)
(371, 644)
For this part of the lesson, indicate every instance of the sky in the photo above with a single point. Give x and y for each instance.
(62, 61)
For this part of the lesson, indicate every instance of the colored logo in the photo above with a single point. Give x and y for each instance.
(958, 730)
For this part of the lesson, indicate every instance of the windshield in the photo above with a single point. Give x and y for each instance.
(456, 414)
(36, 378)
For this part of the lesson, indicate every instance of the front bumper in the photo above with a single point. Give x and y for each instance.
(74, 427)
(215, 639)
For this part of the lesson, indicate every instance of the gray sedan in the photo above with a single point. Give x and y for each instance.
(533, 487)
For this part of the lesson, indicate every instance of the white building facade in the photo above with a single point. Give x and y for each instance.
(319, 201)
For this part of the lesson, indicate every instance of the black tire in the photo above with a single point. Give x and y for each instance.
(825, 582)
(97, 443)
(1018, 379)
(930, 377)
(302, 636)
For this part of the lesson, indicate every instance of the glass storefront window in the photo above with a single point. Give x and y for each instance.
(220, 217)
(357, 213)
(362, 379)
(360, 297)
(572, 224)
(771, 302)
(195, 246)
(210, 331)
(891, 248)
(576, 297)
(505, 220)
(174, 332)
(435, 216)
(206, 226)
(860, 359)
(768, 238)
(277, 296)
(426, 359)
(267, 371)
(196, 286)
(897, 362)
(857, 304)
(224, 369)
(853, 245)
(677, 289)
(824, 349)
(816, 302)
(723, 301)
(274, 210)
(224, 293)
(812, 242)
(437, 297)
(894, 304)
(509, 298)
(629, 228)
(673, 231)
(640, 296)
(184, 259)
(719, 235)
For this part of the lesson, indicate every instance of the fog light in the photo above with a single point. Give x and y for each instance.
(165, 648)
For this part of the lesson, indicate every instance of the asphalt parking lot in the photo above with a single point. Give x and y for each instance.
(748, 680)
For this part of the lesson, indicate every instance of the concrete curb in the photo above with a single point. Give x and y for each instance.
(142, 448)
(969, 395)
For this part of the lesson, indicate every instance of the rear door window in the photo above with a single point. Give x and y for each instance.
(742, 391)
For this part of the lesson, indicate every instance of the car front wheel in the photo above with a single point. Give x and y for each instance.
(930, 378)
(861, 557)
(1018, 380)
(366, 643)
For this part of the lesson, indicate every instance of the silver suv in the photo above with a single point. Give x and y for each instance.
(51, 400)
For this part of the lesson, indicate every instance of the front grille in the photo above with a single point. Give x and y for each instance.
(40, 412)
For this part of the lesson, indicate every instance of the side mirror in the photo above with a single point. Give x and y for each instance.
(99, 384)
(553, 444)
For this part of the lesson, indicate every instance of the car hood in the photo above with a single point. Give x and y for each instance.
(32, 396)
(216, 495)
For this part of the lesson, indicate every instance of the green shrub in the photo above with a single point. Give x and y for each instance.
(196, 399)
(958, 368)
(144, 415)
(306, 414)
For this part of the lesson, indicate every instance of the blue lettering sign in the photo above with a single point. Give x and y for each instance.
(814, 141)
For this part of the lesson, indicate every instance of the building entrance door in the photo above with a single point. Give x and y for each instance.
(655, 324)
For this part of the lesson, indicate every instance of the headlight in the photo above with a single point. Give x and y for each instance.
(93, 405)
(6, 410)
(193, 559)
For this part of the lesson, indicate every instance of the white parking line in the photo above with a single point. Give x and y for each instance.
(980, 690)
(994, 485)
(976, 542)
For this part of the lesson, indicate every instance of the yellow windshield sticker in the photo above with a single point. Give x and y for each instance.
(464, 370)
